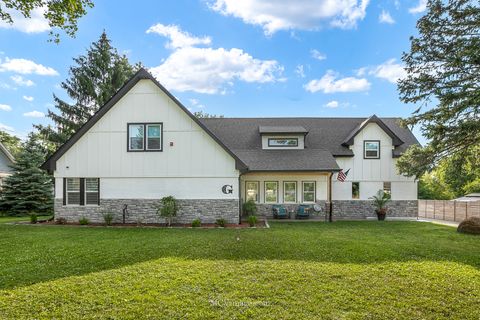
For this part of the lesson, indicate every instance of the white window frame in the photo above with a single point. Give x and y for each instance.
(282, 145)
(284, 189)
(68, 191)
(377, 142)
(86, 191)
(265, 192)
(314, 191)
(257, 196)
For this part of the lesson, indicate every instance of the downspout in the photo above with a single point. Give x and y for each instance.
(239, 199)
(330, 205)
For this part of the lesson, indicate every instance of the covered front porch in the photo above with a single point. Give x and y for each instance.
(289, 190)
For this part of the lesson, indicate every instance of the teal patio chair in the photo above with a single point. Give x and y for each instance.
(303, 211)
(280, 212)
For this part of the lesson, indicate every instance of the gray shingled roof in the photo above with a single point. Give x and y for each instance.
(282, 129)
(323, 142)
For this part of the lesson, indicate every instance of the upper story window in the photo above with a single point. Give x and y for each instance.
(283, 142)
(371, 149)
(145, 136)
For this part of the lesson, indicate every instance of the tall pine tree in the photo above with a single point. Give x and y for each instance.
(95, 78)
(29, 189)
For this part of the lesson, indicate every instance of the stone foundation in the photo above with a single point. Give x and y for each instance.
(364, 208)
(144, 211)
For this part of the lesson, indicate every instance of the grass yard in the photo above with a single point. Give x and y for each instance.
(344, 270)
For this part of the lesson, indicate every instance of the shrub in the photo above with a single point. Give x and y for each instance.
(167, 208)
(61, 221)
(380, 200)
(249, 207)
(196, 223)
(252, 220)
(33, 218)
(108, 218)
(84, 221)
(221, 222)
(470, 225)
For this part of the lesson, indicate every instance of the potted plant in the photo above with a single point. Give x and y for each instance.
(380, 201)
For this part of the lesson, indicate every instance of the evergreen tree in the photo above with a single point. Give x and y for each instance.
(29, 189)
(94, 79)
(443, 76)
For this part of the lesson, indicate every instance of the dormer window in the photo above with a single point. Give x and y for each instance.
(371, 149)
(283, 142)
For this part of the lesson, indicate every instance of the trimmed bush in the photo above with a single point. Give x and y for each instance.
(83, 221)
(470, 225)
(196, 223)
(221, 222)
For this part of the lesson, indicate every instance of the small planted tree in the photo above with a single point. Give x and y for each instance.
(380, 201)
(250, 208)
(168, 208)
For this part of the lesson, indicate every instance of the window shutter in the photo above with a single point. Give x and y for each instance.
(64, 191)
(82, 191)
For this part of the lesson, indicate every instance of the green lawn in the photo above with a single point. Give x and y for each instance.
(344, 270)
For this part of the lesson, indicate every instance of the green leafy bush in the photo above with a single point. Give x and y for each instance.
(196, 223)
(252, 220)
(221, 222)
(61, 221)
(249, 207)
(168, 208)
(84, 221)
(470, 225)
(33, 218)
(108, 218)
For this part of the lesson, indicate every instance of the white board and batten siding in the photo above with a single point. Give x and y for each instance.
(372, 173)
(194, 167)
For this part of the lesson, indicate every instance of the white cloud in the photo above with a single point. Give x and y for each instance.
(178, 38)
(273, 15)
(330, 83)
(318, 55)
(4, 127)
(193, 102)
(332, 104)
(385, 17)
(300, 71)
(24, 66)
(207, 70)
(5, 107)
(28, 98)
(421, 7)
(34, 114)
(389, 70)
(36, 23)
(19, 80)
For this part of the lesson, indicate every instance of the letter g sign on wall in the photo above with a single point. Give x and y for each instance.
(227, 189)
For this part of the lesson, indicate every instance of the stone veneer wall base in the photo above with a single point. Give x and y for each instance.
(144, 211)
(363, 208)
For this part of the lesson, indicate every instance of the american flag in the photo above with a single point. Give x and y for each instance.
(342, 175)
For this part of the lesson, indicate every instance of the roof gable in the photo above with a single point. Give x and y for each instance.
(141, 74)
(7, 153)
(396, 141)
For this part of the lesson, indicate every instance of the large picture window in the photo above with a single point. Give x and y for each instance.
(252, 191)
(145, 136)
(271, 192)
(73, 191)
(308, 191)
(371, 149)
(283, 142)
(290, 192)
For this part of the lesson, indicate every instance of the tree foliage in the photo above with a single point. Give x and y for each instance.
(94, 79)
(62, 14)
(201, 114)
(12, 143)
(29, 189)
(443, 76)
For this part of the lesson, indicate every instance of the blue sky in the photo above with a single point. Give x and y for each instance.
(251, 58)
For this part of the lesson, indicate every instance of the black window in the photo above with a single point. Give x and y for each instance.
(145, 136)
(81, 191)
(371, 149)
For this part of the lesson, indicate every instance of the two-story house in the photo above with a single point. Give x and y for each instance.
(143, 144)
